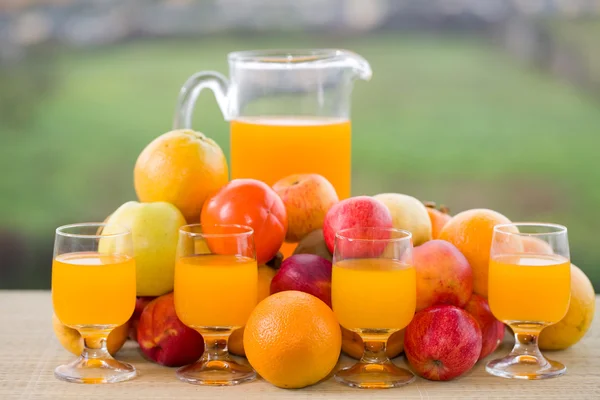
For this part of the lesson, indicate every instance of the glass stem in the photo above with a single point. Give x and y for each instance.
(374, 352)
(94, 345)
(526, 341)
(215, 343)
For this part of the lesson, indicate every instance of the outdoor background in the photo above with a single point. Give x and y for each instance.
(481, 103)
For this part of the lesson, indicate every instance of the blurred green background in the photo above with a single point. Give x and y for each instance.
(500, 111)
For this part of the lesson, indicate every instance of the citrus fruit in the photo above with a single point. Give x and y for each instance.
(181, 167)
(253, 203)
(578, 320)
(471, 231)
(292, 339)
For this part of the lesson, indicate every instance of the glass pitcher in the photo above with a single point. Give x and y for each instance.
(289, 112)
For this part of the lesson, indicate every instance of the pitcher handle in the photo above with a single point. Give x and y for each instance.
(189, 92)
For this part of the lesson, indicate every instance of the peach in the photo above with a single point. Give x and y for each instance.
(307, 198)
(438, 216)
(163, 338)
(444, 275)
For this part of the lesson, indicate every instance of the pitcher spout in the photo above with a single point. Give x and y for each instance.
(357, 63)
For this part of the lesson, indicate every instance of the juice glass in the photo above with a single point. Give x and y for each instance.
(373, 293)
(216, 278)
(529, 289)
(93, 291)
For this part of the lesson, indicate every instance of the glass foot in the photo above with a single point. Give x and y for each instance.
(525, 367)
(94, 370)
(216, 373)
(374, 376)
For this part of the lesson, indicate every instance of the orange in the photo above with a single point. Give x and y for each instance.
(292, 339)
(471, 232)
(181, 167)
(578, 320)
(265, 276)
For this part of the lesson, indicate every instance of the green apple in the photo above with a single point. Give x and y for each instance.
(155, 231)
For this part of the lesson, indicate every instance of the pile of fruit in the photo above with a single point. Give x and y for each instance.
(292, 337)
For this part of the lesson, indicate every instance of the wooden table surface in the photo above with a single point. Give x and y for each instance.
(29, 352)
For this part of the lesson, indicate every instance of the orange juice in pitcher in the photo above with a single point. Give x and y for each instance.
(271, 148)
(289, 112)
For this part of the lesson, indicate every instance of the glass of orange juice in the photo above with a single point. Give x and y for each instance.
(93, 291)
(373, 293)
(529, 289)
(216, 278)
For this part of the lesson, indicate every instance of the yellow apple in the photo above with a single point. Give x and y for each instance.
(71, 340)
(409, 214)
(155, 231)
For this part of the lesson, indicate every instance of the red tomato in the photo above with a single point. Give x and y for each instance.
(253, 203)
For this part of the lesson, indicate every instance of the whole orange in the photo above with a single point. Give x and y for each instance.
(292, 339)
(255, 204)
(578, 320)
(181, 167)
(471, 232)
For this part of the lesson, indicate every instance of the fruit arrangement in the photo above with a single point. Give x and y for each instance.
(292, 338)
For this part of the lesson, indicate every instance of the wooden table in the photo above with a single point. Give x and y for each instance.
(29, 353)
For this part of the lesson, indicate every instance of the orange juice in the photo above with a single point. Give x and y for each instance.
(373, 293)
(529, 287)
(93, 289)
(271, 148)
(215, 290)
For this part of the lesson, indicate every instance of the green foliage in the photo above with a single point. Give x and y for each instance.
(453, 120)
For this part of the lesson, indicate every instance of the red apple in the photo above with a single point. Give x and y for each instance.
(442, 342)
(307, 198)
(163, 338)
(307, 273)
(444, 275)
(357, 212)
(492, 330)
(140, 304)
